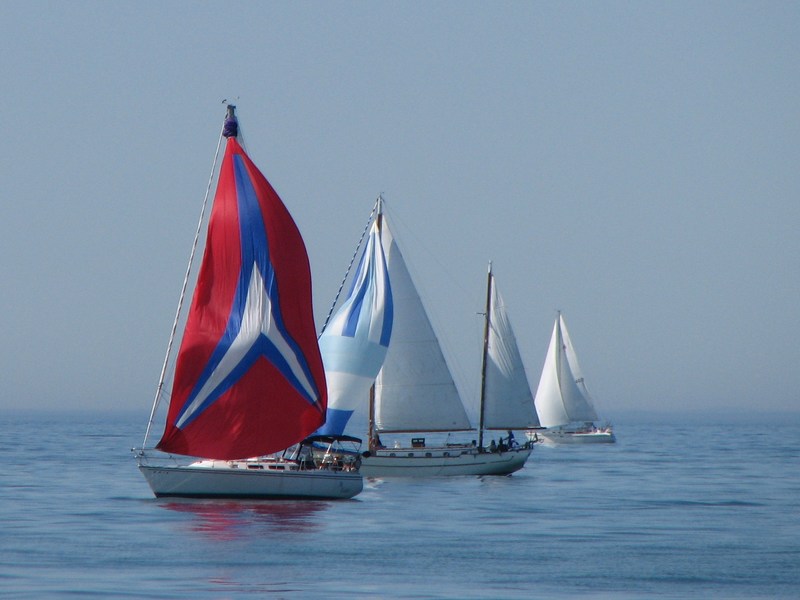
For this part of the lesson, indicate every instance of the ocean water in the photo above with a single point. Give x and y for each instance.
(673, 510)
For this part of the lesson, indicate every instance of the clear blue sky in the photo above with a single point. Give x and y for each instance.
(634, 164)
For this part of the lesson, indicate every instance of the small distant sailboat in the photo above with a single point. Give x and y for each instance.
(563, 403)
(381, 353)
(248, 386)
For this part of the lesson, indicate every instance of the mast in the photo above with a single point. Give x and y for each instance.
(485, 354)
(559, 348)
(379, 209)
(371, 427)
(371, 432)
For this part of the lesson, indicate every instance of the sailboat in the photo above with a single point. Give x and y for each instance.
(248, 385)
(565, 408)
(382, 354)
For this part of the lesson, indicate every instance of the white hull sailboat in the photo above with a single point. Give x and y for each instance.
(248, 383)
(437, 461)
(328, 474)
(214, 479)
(588, 434)
(382, 357)
(565, 408)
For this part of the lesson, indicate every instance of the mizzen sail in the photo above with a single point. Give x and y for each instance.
(507, 397)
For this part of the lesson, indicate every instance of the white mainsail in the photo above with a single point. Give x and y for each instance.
(585, 411)
(414, 390)
(561, 397)
(507, 398)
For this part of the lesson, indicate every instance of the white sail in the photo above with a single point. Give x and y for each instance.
(586, 410)
(414, 390)
(559, 397)
(508, 402)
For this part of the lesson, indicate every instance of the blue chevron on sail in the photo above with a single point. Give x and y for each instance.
(258, 335)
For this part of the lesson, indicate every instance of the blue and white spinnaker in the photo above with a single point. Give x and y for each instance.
(355, 342)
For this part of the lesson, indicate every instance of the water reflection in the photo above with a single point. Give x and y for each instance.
(232, 519)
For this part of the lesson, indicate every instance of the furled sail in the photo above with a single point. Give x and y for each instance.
(507, 398)
(559, 397)
(249, 378)
(355, 342)
(414, 390)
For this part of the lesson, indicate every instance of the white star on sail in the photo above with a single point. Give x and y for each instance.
(257, 320)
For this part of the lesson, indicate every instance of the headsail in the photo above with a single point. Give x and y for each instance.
(559, 398)
(355, 342)
(585, 410)
(414, 390)
(507, 397)
(249, 378)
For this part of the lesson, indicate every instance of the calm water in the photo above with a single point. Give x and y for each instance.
(670, 511)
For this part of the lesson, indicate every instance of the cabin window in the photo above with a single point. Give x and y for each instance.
(428, 455)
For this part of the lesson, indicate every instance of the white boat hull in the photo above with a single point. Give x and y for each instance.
(436, 462)
(222, 481)
(578, 437)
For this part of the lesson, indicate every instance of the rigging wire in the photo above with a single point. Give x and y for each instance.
(350, 266)
(183, 292)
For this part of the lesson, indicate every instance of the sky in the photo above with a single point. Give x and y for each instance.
(632, 164)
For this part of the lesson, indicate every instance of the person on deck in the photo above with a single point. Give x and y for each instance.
(511, 441)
